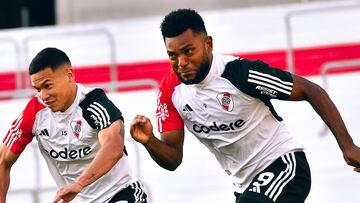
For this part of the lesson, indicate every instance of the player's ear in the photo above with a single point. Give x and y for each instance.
(70, 74)
(209, 44)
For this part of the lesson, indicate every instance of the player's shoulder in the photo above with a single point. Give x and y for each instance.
(245, 63)
(33, 106)
(30, 113)
(95, 95)
(98, 110)
(169, 82)
(240, 68)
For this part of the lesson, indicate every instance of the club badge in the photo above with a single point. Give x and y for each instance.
(225, 101)
(76, 128)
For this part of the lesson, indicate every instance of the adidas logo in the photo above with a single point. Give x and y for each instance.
(255, 189)
(187, 108)
(44, 132)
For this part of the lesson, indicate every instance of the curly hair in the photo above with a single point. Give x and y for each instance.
(178, 21)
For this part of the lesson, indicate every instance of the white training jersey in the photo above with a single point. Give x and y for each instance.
(231, 114)
(69, 141)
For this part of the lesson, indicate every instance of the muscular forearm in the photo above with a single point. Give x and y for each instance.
(323, 105)
(4, 182)
(326, 109)
(166, 152)
(111, 150)
(105, 159)
(163, 154)
(7, 159)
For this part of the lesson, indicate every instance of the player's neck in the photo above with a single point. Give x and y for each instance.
(72, 97)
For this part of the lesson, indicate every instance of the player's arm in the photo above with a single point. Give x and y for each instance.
(111, 150)
(259, 80)
(167, 151)
(7, 159)
(111, 141)
(303, 89)
(14, 143)
(102, 115)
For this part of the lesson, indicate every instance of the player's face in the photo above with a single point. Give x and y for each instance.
(56, 88)
(190, 55)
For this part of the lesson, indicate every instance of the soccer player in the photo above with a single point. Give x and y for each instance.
(80, 134)
(225, 101)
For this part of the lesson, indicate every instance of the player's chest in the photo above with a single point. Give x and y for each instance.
(64, 130)
(217, 101)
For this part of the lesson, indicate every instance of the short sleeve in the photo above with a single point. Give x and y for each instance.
(259, 80)
(20, 132)
(166, 114)
(98, 110)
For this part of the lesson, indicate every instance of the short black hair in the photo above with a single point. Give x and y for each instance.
(178, 21)
(48, 58)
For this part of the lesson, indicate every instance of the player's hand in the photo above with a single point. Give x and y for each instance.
(67, 193)
(352, 157)
(141, 129)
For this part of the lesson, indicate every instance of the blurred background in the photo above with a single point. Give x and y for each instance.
(25, 13)
(117, 45)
